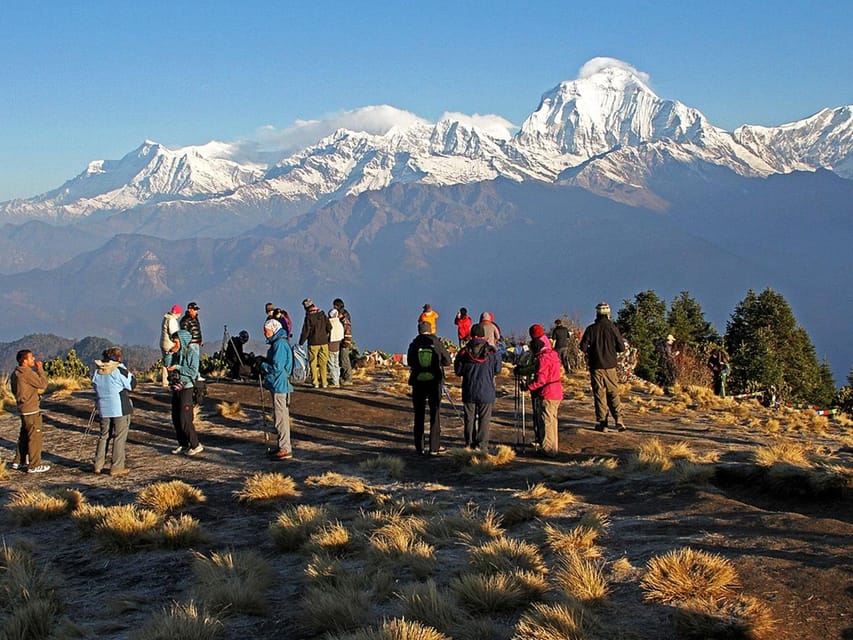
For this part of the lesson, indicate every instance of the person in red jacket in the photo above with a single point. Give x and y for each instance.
(463, 326)
(546, 390)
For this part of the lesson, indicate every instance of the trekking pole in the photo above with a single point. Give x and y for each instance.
(264, 411)
(88, 428)
(450, 399)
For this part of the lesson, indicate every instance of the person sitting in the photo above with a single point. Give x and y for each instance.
(239, 364)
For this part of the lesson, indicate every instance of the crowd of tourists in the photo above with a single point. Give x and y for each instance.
(329, 339)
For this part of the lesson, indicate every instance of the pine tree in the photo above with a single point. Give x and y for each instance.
(768, 348)
(643, 322)
(687, 321)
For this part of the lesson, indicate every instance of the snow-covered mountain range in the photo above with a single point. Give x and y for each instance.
(606, 131)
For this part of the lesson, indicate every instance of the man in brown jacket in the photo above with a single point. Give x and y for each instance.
(28, 384)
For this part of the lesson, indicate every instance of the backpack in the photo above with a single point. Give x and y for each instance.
(426, 357)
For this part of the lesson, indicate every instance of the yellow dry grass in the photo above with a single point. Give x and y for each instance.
(506, 554)
(498, 592)
(784, 451)
(231, 410)
(262, 488)
(33, 505)
(656, 456)
(395, 629)
(127, 528)
(233, 582)
(423, 601)
(552, 622)
(331, 479)
(686, 573)
(332, 538)
(180, 620)
(63, 386)
(165, 497)
(393, 466)
(334, 605)
(182, 532)
(29, 598)
(88, 517)
(295, 525)
(740, 616)
(468, 524)
(399, 543)
(481, 462)
(579, 540)
(581, 578)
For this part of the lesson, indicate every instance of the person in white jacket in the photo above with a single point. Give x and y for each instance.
(335, 338)
(171, 323)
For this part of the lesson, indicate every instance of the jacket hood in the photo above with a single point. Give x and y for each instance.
(479, 348)
(545, 343)
(106, 368)
(278, 335)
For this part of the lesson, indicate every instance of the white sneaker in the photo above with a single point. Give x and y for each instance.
(177, 450)
(17, 465)
(39, 469)
(195, 450)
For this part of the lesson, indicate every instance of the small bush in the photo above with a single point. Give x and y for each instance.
(582, 578)
(552, 622)
(165, 497)
(684, 574)
(265, 487)
(28, 506)
(295, 525)
(488, 593)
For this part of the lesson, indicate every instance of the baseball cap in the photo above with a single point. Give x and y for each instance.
(193, 305)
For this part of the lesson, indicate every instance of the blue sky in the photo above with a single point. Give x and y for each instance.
(87, 80)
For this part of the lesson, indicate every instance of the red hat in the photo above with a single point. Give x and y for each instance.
(536, 331)
(176, 309)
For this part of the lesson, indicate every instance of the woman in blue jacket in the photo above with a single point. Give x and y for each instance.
(112, 383)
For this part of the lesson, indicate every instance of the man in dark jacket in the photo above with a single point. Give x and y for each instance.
(316, 330)
(191, 323)
(477, 363)
(560, 336)
(346, 343)
(601, 342)
(427, 357)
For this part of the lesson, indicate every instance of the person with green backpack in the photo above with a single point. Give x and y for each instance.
(427, 358)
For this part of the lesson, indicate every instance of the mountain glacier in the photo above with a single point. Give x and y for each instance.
(606, 131)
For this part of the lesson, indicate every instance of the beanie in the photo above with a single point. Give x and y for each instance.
(176, 309)
(602, 309)
(477, 331)
(308, 303)
(536, 331)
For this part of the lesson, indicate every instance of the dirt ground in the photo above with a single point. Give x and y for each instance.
(793, 551)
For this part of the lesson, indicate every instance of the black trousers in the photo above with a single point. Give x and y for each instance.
(182, 418)
(478, 417)
(423, 394)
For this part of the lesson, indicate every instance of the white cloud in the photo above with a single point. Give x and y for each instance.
(599, 64)
(495, 125)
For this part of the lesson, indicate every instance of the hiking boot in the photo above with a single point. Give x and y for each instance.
(621, 427)
(41, 468)
(177, 451)
(601, 426)
(439, 452)
(195, 450)
(282, 455)
(119, 472)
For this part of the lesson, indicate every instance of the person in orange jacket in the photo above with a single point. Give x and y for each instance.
(430, 316)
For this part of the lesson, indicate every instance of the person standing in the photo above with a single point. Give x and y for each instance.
(718, 363)
(277, 369)
(427, 358)
(601, 341)
(560, 336)
(667, 369)
(112, 383)
(27, 386)
(171, 323)
(346, 343)
(463, 326)
(477, 363)
(336, 336)
(546, 390)
(191, 323)
(316, 330)
(185, 361)
(491, 330)
(430, 316)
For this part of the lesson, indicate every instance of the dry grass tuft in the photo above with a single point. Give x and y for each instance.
(29, 601)
(127, 528)
(622, 569)
(506, 554)
(596, 520)
(579, 540)
(27, 505)
(3, 471)
(518, 512)
(498, 592)
(180, 622)
(394, 466)
(165, 497)
(548, 503)
(88, 517)
(582, 578)
(658, 457)
(424, 602)
(552, 622)
(233, 582)
(265, 487)
(231, 410)
(294, 526)
(395, 629)
(481, 462)
(399, 542)
(332, 538)
(351, 484)
(63, 386)
(738, 617)
(468, 524)
(182, 532)
(785, 451)
(685, 573)
(335, 605)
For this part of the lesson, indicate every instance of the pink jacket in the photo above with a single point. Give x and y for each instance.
(547, 383)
